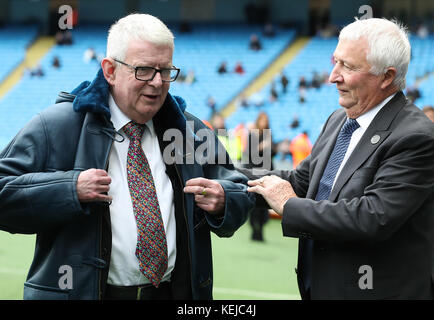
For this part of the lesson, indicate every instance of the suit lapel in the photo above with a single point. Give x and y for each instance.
(374, 136)
(325, 148)
(362, 151)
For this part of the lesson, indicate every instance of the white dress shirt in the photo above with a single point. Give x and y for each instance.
(364, 121)
(124, 265)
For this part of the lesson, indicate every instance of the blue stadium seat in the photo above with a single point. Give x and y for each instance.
(13, 43)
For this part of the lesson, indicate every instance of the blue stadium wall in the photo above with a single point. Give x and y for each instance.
(292, 12)
(168, 10)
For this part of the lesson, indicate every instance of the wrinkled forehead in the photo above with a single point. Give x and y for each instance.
(349, 49)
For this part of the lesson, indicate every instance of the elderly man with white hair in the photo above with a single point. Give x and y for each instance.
(115, 216)
(362, 203)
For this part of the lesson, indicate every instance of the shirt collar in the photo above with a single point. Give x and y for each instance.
(120, 119)
(365, 119)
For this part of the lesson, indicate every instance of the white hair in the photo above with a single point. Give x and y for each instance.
(388, 45)
(136, 27)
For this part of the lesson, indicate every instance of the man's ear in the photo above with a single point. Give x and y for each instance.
(108, 66)
(389, 76)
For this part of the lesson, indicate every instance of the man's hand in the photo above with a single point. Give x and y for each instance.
(92, 184)
(208, 194)
(275, 191)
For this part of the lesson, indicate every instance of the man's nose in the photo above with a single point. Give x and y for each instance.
(156, 81)
(335, 75)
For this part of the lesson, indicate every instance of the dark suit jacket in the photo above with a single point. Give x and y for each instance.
(379, 215)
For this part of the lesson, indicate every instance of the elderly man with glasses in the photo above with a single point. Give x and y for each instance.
(114, 218)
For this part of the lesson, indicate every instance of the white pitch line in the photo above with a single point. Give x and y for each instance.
(257, 294)
(242, 292)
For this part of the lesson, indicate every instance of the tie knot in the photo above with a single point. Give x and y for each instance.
(350, 126)
(134, 130)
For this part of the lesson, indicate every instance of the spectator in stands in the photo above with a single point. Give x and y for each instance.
(257, 99)
(243, 101)
(37, 71)
(269, 31)
(59, 37)
(328, 31)
(222, 69)
(260, 143)
(190, 78)
(302, 83)
(302, 94)
(429, 112)
(90, 55)
(317, 81)
(283, 149)
(239, 68)
(231, 143)
(324, 77)
(365, 230)
(115, 217)
(295, 122)
(56, 62)
(212, 104)
(284, 81)
(413, 93)
(302, 86)
(300, 147)
(240, 134)
(255, 43)
(422, 31)
(218, 123)
(274, 96)
(63, 37)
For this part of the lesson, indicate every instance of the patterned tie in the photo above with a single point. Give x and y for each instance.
(335, 160)
(151, 250)
(326, 183)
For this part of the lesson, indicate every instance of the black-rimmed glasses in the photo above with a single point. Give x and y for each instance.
(148, 73)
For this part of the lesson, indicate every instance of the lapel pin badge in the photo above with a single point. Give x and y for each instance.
(375, 139)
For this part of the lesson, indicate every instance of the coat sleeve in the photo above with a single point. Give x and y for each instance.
(238, 202)
(403, 183)
(299, 179)
(238, 205)
(33, 197)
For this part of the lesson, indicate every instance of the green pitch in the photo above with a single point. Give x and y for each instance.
(246, 269)
(243, 269)
(16, 254)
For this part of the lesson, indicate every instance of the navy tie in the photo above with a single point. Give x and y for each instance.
(326, 183)
(335, 160)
